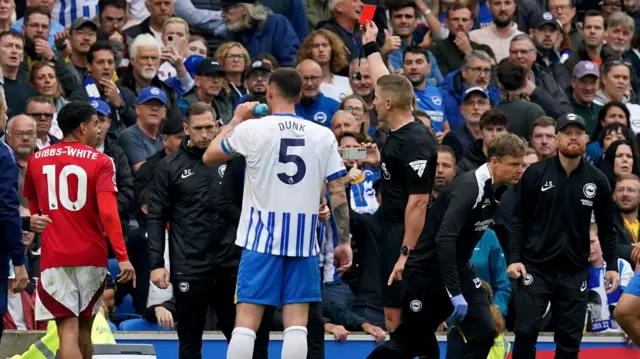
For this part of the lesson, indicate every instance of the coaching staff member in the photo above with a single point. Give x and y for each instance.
(408, 166)
(203, 265)
(440, 281)
(550, 241)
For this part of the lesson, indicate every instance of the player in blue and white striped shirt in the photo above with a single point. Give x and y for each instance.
(288, 162)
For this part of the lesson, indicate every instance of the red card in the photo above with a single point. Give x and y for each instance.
(367, 14)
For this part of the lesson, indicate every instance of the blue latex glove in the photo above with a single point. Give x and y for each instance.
(460, 307)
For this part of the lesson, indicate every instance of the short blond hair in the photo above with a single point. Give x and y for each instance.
(176, 20)
(398, 88)
(508, 144)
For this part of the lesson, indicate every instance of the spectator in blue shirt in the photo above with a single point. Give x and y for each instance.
(10, 228)
(416, 69)
(475, 71)
(54, 27)
(405, 26)
(313, 105)
(260, 30)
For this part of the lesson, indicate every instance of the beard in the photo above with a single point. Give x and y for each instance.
(236, 26)
(148, 73)
(572, 152)
(501, 24)
(628, 210)
(419, 81)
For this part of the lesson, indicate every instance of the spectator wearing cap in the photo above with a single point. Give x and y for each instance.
(212, 88)
(98, 84)
(143, 139)
(591, 48)
(36, 47)
(540, 86)
(325, 48)
(474, 72)
(314, 105)
(546, 35)
(159, 12)
(565, 12)
(493, 123)
(258, 75)
(82, 35)
(108, 144)
(585, 84)
(260, 30)
(145, 53)
(475, 102)
(54, 26)
(518, 108)
(172, 135)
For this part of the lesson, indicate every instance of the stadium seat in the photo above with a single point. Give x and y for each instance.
(113, 268)
(125, 310)
(112, 327)
(141, 325)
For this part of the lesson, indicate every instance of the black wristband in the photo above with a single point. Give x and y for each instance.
(371, 48)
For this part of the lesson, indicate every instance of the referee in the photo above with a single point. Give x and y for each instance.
(549, 247)
(440, 281)
(408, 166)
(203, 262)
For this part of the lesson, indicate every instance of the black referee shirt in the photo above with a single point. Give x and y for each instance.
(408, 167)
(552, 215)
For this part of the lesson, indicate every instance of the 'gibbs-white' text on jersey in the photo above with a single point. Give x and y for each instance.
(288, 160)
(66, 179)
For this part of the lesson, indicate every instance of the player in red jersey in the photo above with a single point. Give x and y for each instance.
(75, 186)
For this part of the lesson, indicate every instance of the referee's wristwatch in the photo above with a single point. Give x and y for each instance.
(405, 250)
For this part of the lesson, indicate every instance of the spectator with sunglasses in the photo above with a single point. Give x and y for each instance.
(615, 85)
(41, 109)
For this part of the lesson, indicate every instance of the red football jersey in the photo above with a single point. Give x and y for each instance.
(65, 179)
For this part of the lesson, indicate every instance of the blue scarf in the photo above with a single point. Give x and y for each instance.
(94, 94)
(92, 89)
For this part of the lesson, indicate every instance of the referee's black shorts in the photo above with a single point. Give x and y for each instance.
(425, 305)
(390, 241)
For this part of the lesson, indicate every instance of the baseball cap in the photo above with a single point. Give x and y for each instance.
(475, 89)
(225, 4)
(209, 67)
(569, 119)
(101, 107)
(259, 65)
(191, 64)
(82, 21)
(151, 93)
(584, 68)
(546, 18)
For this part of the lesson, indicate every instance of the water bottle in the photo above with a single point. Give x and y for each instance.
(261, 110)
